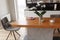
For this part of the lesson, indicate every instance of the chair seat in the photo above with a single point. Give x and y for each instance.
(12, 28)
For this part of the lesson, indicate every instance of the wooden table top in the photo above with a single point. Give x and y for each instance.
(36, 24)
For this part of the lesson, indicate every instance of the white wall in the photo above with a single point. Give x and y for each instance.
(12, 9)
(3, 9)
(47, 14)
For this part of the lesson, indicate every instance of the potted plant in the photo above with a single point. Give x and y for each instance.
(40, 15)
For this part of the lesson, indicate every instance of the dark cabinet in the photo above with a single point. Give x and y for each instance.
(58, 6)
(48, 6)
(56, 38)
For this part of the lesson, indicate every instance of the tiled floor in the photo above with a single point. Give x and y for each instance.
(4, 34)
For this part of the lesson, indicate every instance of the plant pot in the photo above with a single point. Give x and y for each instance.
(41, 20)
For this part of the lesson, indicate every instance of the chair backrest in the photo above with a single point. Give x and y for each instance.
(4, 22)
(55, 16)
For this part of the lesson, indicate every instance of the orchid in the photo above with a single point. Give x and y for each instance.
(40, 14)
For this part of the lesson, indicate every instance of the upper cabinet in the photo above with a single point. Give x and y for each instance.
(44, 1)
(43, 4)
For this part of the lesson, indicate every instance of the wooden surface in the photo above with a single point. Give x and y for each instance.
(36, 24)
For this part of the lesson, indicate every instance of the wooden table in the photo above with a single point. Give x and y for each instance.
(35, 23)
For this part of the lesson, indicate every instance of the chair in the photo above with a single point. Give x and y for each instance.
(8, 27)
(55, 16)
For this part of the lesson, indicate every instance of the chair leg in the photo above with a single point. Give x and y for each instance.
(17, 33)
(14, 36)
(8, 36)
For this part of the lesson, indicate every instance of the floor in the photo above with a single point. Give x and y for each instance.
(4, 34)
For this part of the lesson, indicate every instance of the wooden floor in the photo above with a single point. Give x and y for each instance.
(4, 34)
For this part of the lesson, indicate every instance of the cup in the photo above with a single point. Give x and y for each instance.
(51, 21)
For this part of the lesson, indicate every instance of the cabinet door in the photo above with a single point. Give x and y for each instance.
(58, 6)
(49, 6)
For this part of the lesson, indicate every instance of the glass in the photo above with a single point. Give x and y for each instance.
(52, 20)
(41, 20)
